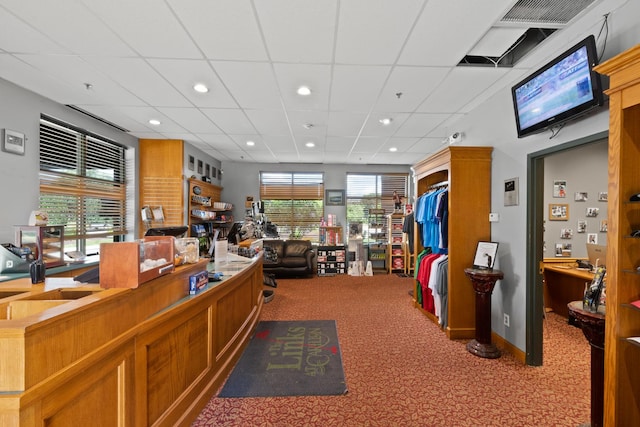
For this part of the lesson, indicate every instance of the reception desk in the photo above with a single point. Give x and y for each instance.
(563, 283)
(73, 355)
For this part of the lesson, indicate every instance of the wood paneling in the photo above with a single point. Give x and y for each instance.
(622, 370)
(124, 357)
(468, 172)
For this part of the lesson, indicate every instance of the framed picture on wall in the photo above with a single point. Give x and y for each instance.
(192, 163)
(334, 198)
(200, 166)
(207, 170)
(558, 212)
(560, 188)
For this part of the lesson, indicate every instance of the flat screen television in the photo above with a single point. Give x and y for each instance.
(563, 89)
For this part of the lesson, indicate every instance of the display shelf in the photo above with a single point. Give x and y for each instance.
(207, 213)
(331, 260)
(376, 239)
(330, 235)
(395, 245)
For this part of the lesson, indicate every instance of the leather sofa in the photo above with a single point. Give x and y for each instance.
(288, 257)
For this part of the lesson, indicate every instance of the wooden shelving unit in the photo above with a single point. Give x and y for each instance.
(377, 240)
(467, 170)
(621, 367)
(206, 209)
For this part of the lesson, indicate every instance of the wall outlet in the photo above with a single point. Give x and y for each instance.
(506, 320)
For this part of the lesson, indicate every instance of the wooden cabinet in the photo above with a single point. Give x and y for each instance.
(467, 173)
(622, 370)
(395, 246)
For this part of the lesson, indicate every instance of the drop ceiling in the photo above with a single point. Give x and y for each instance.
(127, 62)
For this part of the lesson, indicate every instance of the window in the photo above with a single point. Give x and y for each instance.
(372, 191)
(82, 185)
(294, 201)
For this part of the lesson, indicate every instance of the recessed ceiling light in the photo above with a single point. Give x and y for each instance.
(251, 143)
(304, 91)
(310, 144)
(200, 87)
(154, 122)
(393, 149)
(386, 121)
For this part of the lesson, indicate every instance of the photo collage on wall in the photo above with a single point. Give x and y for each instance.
(589, 219)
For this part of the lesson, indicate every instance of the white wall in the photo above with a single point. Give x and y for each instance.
(240, 180)
(19, 184)
(492, 123)
(584, 169)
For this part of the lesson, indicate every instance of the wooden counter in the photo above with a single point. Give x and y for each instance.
(154, 355)
(562, 284)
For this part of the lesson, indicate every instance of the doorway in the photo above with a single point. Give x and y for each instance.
(536, 213)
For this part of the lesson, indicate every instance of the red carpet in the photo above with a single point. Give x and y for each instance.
(401, 369)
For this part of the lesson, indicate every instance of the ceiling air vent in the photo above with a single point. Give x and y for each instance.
(545, 12)
(521, 29)
(98, 118)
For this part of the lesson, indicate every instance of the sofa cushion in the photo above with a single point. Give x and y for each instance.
(296, 248)
(293, 261)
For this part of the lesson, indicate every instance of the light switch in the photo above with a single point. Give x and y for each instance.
(494, 217)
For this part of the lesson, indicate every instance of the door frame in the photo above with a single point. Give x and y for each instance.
(535, 242)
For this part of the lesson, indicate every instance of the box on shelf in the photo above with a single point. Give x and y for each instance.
(129, 264)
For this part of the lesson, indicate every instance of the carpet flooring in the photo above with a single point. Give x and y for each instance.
(404, 371)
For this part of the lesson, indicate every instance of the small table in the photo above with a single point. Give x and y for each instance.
(592, 325)
(483, 284)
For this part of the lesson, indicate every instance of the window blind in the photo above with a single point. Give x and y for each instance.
(82, 185)
(294, 201)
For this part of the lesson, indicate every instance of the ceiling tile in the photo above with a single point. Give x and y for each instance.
(407, 87)
(190, 118)
(251, 84)
(223, 29)
(183, 74)
(31, 40)
(269, 122)
(148, 26)
(466, 24)
(345, 123)
(317, 77)
(419, 125)
(230, 121)
(299, 31)
(356, 88)
(71, 25)
(139, 78)
(374, 35)
(461, 86)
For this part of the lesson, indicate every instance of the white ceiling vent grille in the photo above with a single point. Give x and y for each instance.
(546, 12)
